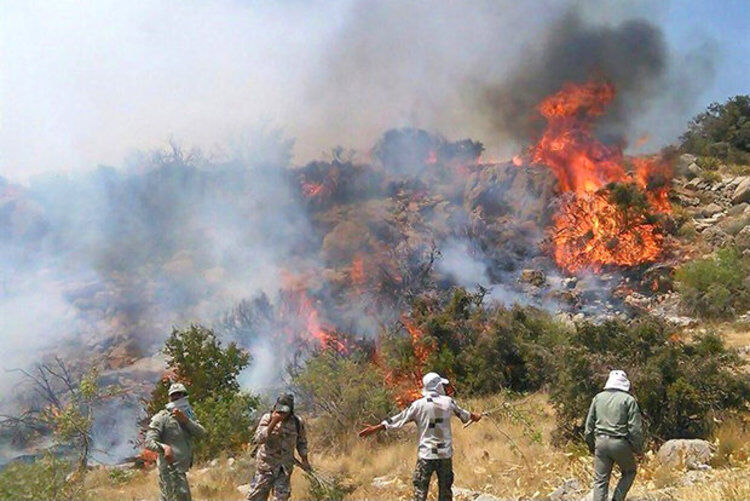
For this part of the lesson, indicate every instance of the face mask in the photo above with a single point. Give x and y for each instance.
(183, 405)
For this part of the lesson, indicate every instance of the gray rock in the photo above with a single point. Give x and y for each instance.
(742, 239)
(682, 163)
(711, 209)
(694, 170)
(566, 490)
(738, 209)
(742, 192)
(690, 453)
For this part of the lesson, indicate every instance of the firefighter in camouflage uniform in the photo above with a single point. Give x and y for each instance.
(279, 433)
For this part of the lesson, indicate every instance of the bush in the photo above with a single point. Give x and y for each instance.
(723, 131)
(346, 391)
(487, 349)
(47, 478)
(679, 386)
(196, 358)
(715, 287)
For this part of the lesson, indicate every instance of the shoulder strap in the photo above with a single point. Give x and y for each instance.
(296, 422)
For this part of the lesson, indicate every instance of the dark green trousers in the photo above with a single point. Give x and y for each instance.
(423, 472)
(607, 452)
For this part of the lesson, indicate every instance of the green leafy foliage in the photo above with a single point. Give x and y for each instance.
(723, 131)
(345, 391)
(715, 287)
(679, 386)
(47, 478)
(196, 357)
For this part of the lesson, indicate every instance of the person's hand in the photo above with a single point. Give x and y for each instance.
(369, 430)
(168, 453)
(276, 418)
(180, 416)
(475, 417)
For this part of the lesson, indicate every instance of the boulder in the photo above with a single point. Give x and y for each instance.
(693, 454)
(742, 239)
(694, 170)
(711, 210)
(742, 192)
(682, 163)
(738, 209)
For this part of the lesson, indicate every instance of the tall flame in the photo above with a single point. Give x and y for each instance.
(590, 229)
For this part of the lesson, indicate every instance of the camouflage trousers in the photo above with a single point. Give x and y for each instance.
(173, 484)
(423, 473)
(264, 481)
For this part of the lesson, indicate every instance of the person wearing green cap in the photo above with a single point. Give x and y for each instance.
(170, 434)
(279, 433)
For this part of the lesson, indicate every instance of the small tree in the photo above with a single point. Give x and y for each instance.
(63, 405)
(196, 358)
(723, 130)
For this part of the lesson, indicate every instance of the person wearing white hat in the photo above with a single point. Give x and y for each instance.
(614, 434)
(170, 434)
(431, 414)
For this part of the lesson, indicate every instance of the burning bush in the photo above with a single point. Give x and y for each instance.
(482, 348)
(715, 287)
(195, 357)
(680, 386)
(595, 225)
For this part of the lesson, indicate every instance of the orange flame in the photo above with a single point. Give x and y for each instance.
(590, 230)
(408, 384)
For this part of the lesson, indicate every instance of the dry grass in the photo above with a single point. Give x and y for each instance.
(485, 460)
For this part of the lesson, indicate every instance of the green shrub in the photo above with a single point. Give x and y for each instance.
(723, 131)
(487, 349)
(708, 163)
(711, 176)
(346, 391)
(714, 287)
(679, 386)
(47, 478)
(196, 357)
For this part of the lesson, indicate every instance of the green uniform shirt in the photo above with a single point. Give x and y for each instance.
(615, 413)
(165, 429)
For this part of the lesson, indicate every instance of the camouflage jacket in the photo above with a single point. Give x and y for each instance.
(165, 429)
(276, 448)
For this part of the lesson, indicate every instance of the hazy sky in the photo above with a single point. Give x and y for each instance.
(88, 82)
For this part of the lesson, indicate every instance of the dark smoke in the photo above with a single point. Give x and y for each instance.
(632, 55)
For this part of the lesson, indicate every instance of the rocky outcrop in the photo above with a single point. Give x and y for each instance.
(742, 192)
(693, 454)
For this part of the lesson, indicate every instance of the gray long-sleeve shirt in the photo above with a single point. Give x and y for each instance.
(615, 413)
(431, 414)
(165, 429)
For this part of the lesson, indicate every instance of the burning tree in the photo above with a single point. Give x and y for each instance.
(595, 225)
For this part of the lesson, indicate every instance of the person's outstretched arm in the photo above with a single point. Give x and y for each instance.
(391, 423)
(462, 414)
